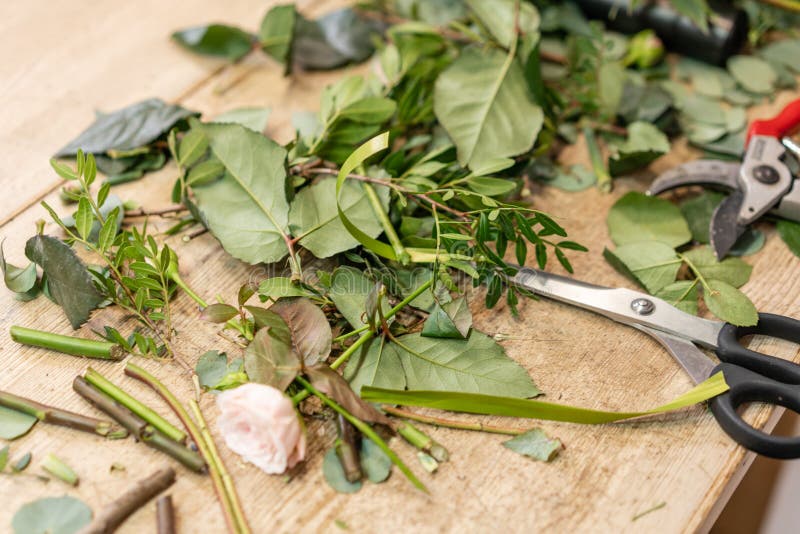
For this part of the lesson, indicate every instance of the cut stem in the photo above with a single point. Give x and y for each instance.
(57, 416)
(76, 346)
(56, 467)
(422, 441)
(347, 450)
(165, 515)
(604, 183)
(146, 413)
(449, 423)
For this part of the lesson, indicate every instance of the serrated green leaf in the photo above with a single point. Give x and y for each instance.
(733, 271)
(308, 327)
(251, 117)
(377, 363)
(501, 17)
(730, 304)
(218, 40)
(681, 294)
(637, 217)
(790, 233)
(192, 147)
(535, 444)
(52, 515)
(450, 320)
(698, 211)
(651, 263)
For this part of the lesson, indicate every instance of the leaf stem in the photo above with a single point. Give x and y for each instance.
(366, 430)
(145, 412)
(604, 182)
(422, 441)
(696, 272)
(449, 423)
(90, 348)
(388, 228)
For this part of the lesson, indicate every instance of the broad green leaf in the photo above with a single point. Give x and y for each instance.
(698, 211)
(449, 320)
(502, 16)
(700, 133)
(84, 218)
(246, 209)
(376, 464)
(644, 144)
(128, 128)
(334, 474)
(3, 457)
(730, 304)
(205, 172)
(378, 364)
(276, 32)
(477, 364)
(254, 118)
(219, 40)
(651, 263)
(697, 108)
(576, 178)
(535, 444)
(695, 10)
(333, 40)
(637, 217)
(279, 286)
(784, 52)
(17, 279)
(214, 371)
(349, 291)
(269, 358)
(681, 294)
(14, 424)
(483, 102)
(491, 187)
(219, 313)
(313, 215)
(790, 233)
(611, 80)
(308, 327)
(52, 515)
(68, 281)
(192, 147)
(753, 73)
(733, 271)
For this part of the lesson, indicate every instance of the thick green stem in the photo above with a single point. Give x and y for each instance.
(604, 183)
(366, 430)
(399, 250)
(90, 348)
(146, 413)
(57, 416)
(422, 441)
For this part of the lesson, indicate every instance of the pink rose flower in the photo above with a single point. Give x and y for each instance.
(260, 424)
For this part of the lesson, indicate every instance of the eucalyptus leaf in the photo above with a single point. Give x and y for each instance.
(377, 363)
(651, 263)
(269, 358)
(733, 271)
(69, 282)
(246, 209)
(750, 242)
(730, 304)
(376, 464)
(219, 40)
(214, 371)
(254, 118)
(52, 515)
(128, 128)
(753, 73)
(334, 474)
(313, 215)
(483, 102)
(14, 424)
(705, 110)
(638, 217)
(308, 327)
(790, 233)
(682, 294)
(784, 52)
(535, 444)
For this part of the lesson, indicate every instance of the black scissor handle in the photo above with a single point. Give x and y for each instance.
(747, 386)
(729, 349)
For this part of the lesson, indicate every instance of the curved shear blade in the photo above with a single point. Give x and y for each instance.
(707, 172)
(725, 228)
(696, 364)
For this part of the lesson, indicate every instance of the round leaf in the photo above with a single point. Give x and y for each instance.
(730, 304)
(52, 515)
(753, 73)
(637, 217)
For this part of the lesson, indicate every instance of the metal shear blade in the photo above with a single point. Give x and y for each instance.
(705, 172)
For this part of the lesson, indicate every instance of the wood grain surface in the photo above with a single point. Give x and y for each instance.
(67, 59)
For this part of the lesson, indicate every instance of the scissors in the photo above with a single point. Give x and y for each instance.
(751, 376)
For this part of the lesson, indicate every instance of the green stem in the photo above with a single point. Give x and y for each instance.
(56, 467)
(388, 228)
(90, 348)
(604, 183)
(366, 430)
(449, 423)
(423, 441)
(146, 413)
(696, 272)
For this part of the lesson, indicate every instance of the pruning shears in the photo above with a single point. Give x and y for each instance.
(761, 183)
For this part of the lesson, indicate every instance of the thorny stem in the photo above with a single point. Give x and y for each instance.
(364, 429)
(90, 348)
(138, 373)
(449, 423)
(57, 416)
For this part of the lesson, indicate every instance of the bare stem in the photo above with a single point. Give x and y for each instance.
(141, 212)
(449, 423)
(165, 515)
(90, 348)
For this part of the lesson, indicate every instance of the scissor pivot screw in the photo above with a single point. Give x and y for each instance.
(643, 306)
(766, 174)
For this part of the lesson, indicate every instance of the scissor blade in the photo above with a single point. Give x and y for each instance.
(696, 364)
(725, 228)
(620, 304)
(707, 172)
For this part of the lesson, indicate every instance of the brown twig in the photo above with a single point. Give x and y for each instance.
(165, 515)
(137, 496)
(347, 450)
(141, 212)
(449, 423)
(195, 233)
(57, 416)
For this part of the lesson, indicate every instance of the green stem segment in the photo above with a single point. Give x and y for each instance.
(365, 429)
(125, 399)
(604, 183)
(422, 441)
(57, 416)
(449, 423)
(90, 348)
(399, 250)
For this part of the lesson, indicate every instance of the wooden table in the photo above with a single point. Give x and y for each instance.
(64, 60)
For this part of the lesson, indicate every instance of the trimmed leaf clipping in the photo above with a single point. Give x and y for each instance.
(535, 444)
(52, 515)
(215, 40)
(14, 424)
(638, 217)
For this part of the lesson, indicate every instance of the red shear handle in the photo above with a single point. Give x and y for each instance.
(781, 125)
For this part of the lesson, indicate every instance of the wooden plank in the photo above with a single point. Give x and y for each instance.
(607, 475)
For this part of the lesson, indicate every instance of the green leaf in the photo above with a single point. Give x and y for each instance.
(638, 217)
(17, 279)
(128, 128)
(22, 463)
(576, 178)
(313, 215)
(279, 286)
(681, 294)
(334, 474)
(52, 515)
(502, 16)
(695, 10)
(205, 172)
(3, 457)
(483, 102)
(698, 211)
(191, 148)
(611, 80)
(449, 320)
(783, 52)
(269, 358)
(333, 40)
(84, 218)
(753, 73)
(112, 209)
(790, 233)
(252, 117)
(219, 313)
(535, 444)
(59, 469)
(310, 333)
(377, 363)
(68, 280)
(63, 170)
(477, 364)
(219, 40)
(705, 110)
(14, 424)
(214, 372)
(369, 110)
(276, 32)
(730, 304)
(750, 242)
(491, 187)
(645, 143)
(651, 263)
(733, 271)
(376, 464)
(246, 209)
